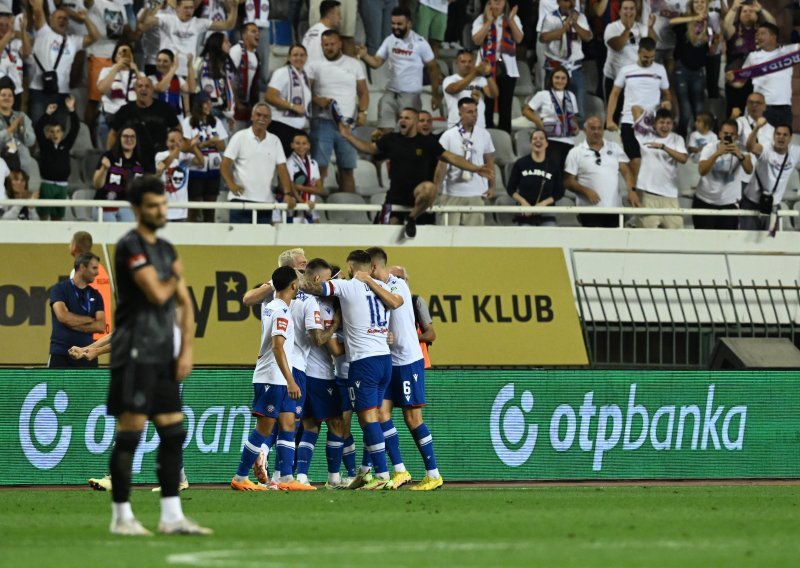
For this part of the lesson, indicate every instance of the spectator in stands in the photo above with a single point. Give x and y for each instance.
(53, 54)
(211, 134)
(461, 187)
(377, 18)
(555, 111)
(407, 54)
(739, 27)
(289, 95)
(592, 172)
(643, 84)
(702, 135)
(16, 184)
(13, 52)
(425, 123)
(722, 164)
(18, 135)
(172, 166)
(535, 181)
(251, 159)
(171, 88)
(116, 86)
(430, 21)
(152, 120)
(150, 41)
(338, 79)
(622, 38)
(215, 76)
(469, 80)
(497, 31)
(117, 167)
(774, 163)
(563, 31)
(330, 12)
(347, 23)
(248, 67)
(662, 151)
(413, 160)
(695, 39)
(600, 13)
(54, 162)
(306, 181)
(182, 32)
(776, 86)
(257, 13)
(754, 110)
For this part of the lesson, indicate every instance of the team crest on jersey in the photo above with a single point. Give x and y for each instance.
(283, 324)
(298, 410)
(270, 409)
(317, 318)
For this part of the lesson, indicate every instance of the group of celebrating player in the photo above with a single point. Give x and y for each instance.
(331, 347)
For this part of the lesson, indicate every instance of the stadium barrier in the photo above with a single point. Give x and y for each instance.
(487, 425)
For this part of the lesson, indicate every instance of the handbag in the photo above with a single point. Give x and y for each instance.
(766, 201)
(50, 78)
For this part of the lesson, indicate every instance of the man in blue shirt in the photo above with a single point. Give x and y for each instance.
(78, 312)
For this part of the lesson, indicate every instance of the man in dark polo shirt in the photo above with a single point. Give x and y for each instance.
(413, 159)
(77, 311)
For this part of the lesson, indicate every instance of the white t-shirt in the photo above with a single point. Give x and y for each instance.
(548, 7)
(46, 47)
(642, 87)
(320, 363)
(659, 171)
(257, 11)
(252, 61)
(629, 54)
(542, 104)
(510, 61)
(312, 41)
(293, 87)
(295, 165)
(254, 164)
(405, 349)
(11, 64)
(306, 316)
(122, 90)
(451, 101)
(276, 319)
(568, 52)
(602, 178)
(700, 141)
(477, 143)
(176, 181)
(182, 38)
(366, 319)
(406, 58)
(110, 19)
(723, 184)
(776, 87)
(765, 134)
(336, 80)
(767, 167)
(213, 158)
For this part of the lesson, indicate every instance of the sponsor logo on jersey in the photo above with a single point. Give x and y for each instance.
(317, 318)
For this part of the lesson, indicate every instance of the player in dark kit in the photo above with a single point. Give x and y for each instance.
(145, 370)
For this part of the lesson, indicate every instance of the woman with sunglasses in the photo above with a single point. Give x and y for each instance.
(535, 180)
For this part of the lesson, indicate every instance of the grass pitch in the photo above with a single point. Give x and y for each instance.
(742, 525)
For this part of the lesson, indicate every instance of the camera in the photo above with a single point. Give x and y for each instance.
(728, 139)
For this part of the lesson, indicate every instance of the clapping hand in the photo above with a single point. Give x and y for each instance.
(69, 102)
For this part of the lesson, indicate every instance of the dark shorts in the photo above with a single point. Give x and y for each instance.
(407, 387)
(322, 399)
(368, 380)
(272, 400)
(204, 187)
(344, 394)
(148, 389)
(629, 142)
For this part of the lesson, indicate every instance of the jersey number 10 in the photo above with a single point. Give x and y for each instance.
(375, 309)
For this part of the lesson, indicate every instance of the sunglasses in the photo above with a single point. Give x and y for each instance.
(597, 160)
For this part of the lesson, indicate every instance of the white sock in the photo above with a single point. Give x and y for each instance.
(433, 473)
(240, 478)
(334, 478)
(364, 469)
(276, 475)
(121, 511)
(302, 478)
(286, 479)
(171, 510)
(183, 475)
(384, 476)
(399, 468)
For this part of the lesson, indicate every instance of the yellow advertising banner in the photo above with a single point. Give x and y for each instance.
(489, 306)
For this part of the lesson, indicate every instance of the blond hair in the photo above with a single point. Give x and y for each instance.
(286, 258)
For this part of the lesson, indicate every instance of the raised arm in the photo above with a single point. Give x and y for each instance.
(372, 60)
(232, 7)
(752, 141)
(361, 145)
(39, 19)
(258, 295)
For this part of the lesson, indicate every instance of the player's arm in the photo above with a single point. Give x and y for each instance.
(232, 6)
(157, 291)
(391, 301)
(84, 324)
(185, 318)
(258, 295)
(322, 337)
(335, 348)
(278, 342)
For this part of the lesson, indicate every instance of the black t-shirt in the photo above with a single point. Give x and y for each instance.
(152, 125)
(413, 160)
(143, 331)
(81, 302)
(535, 181)
(121, 172)
(691, 56)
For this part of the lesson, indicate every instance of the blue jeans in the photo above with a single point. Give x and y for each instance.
(243, 217)
(690, 91)
(377, 17)
(577, 84)
(325, 140)
(123, 215)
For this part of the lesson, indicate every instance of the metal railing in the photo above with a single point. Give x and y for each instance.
(677, 324)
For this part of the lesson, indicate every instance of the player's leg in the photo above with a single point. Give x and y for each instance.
(305, 449)
(414, 397)
(286, 448)
(368, 379)
(334, 445)
(265, 409)
(401, 476)
(349, 447)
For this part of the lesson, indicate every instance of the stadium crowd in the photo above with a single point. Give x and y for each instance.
(405, 103)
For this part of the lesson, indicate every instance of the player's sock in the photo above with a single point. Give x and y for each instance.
(168, 464)
(349, 455)
(333, 453)
(373, 439)
(121, 511)
(250, 451)
(392, 444)
(305, 451)
(366, 461)
(286, 452)
(171, 511)
(121, 464)
(183, 475)
(424, 440)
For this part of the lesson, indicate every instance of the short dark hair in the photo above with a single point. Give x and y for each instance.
(283, 277)
(465, 51)
(377, 253)
(466, 101)
(248, 24)
(84, 258)
(773, 29)
(139, 186)
(664, 113)
(327, 6)
(359, 257)
(302, 133)
(647, 44)
(402, 11)
(168, 52)
(784, 125)
(330, 32)
(410, 109)
(730, 122)
(316, 264)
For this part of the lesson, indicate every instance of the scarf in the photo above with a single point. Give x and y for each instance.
(772, 66)
(172, 96)
(122, 89)
(567, 124)
(565, 50)
(303, 177)
(297, 92)
(220, 91)
(507, 45)
(247, 93)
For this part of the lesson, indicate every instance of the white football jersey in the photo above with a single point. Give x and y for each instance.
(342, 367)
(366, 319)
(276, 319)
(405, 349)
(305, 313)
(320, 363)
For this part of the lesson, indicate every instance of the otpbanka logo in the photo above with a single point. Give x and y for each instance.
(39, 428)
(599, 430)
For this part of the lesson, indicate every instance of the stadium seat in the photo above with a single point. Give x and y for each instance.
(83, 142)
(503, 146)
(504, 219)
(522, 141)
(378, 79)
(507, 173)
(90, 161)
(613, 137)
(81, 96)
(377, 198)
(330, 184)
(499, 180)
(524, 87)
(569, 219)
(688, 177)
(372, 110)
(34, 176)
(347, 217)
(792, 187)
(796, 220)
(594, 107)
(84, 213)
(685, 202)
(366, 177)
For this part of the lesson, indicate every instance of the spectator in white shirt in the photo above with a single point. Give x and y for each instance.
(722, 164)
(407, 54)
(469, 80)
(289, 95)
(330, 12)
(116, 85)
(13, 51)
(754, 109)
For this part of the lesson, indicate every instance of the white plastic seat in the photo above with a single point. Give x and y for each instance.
(347, 217)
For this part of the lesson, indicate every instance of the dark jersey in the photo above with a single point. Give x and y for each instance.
(143, 331)
(152, 124)
(412, 161)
